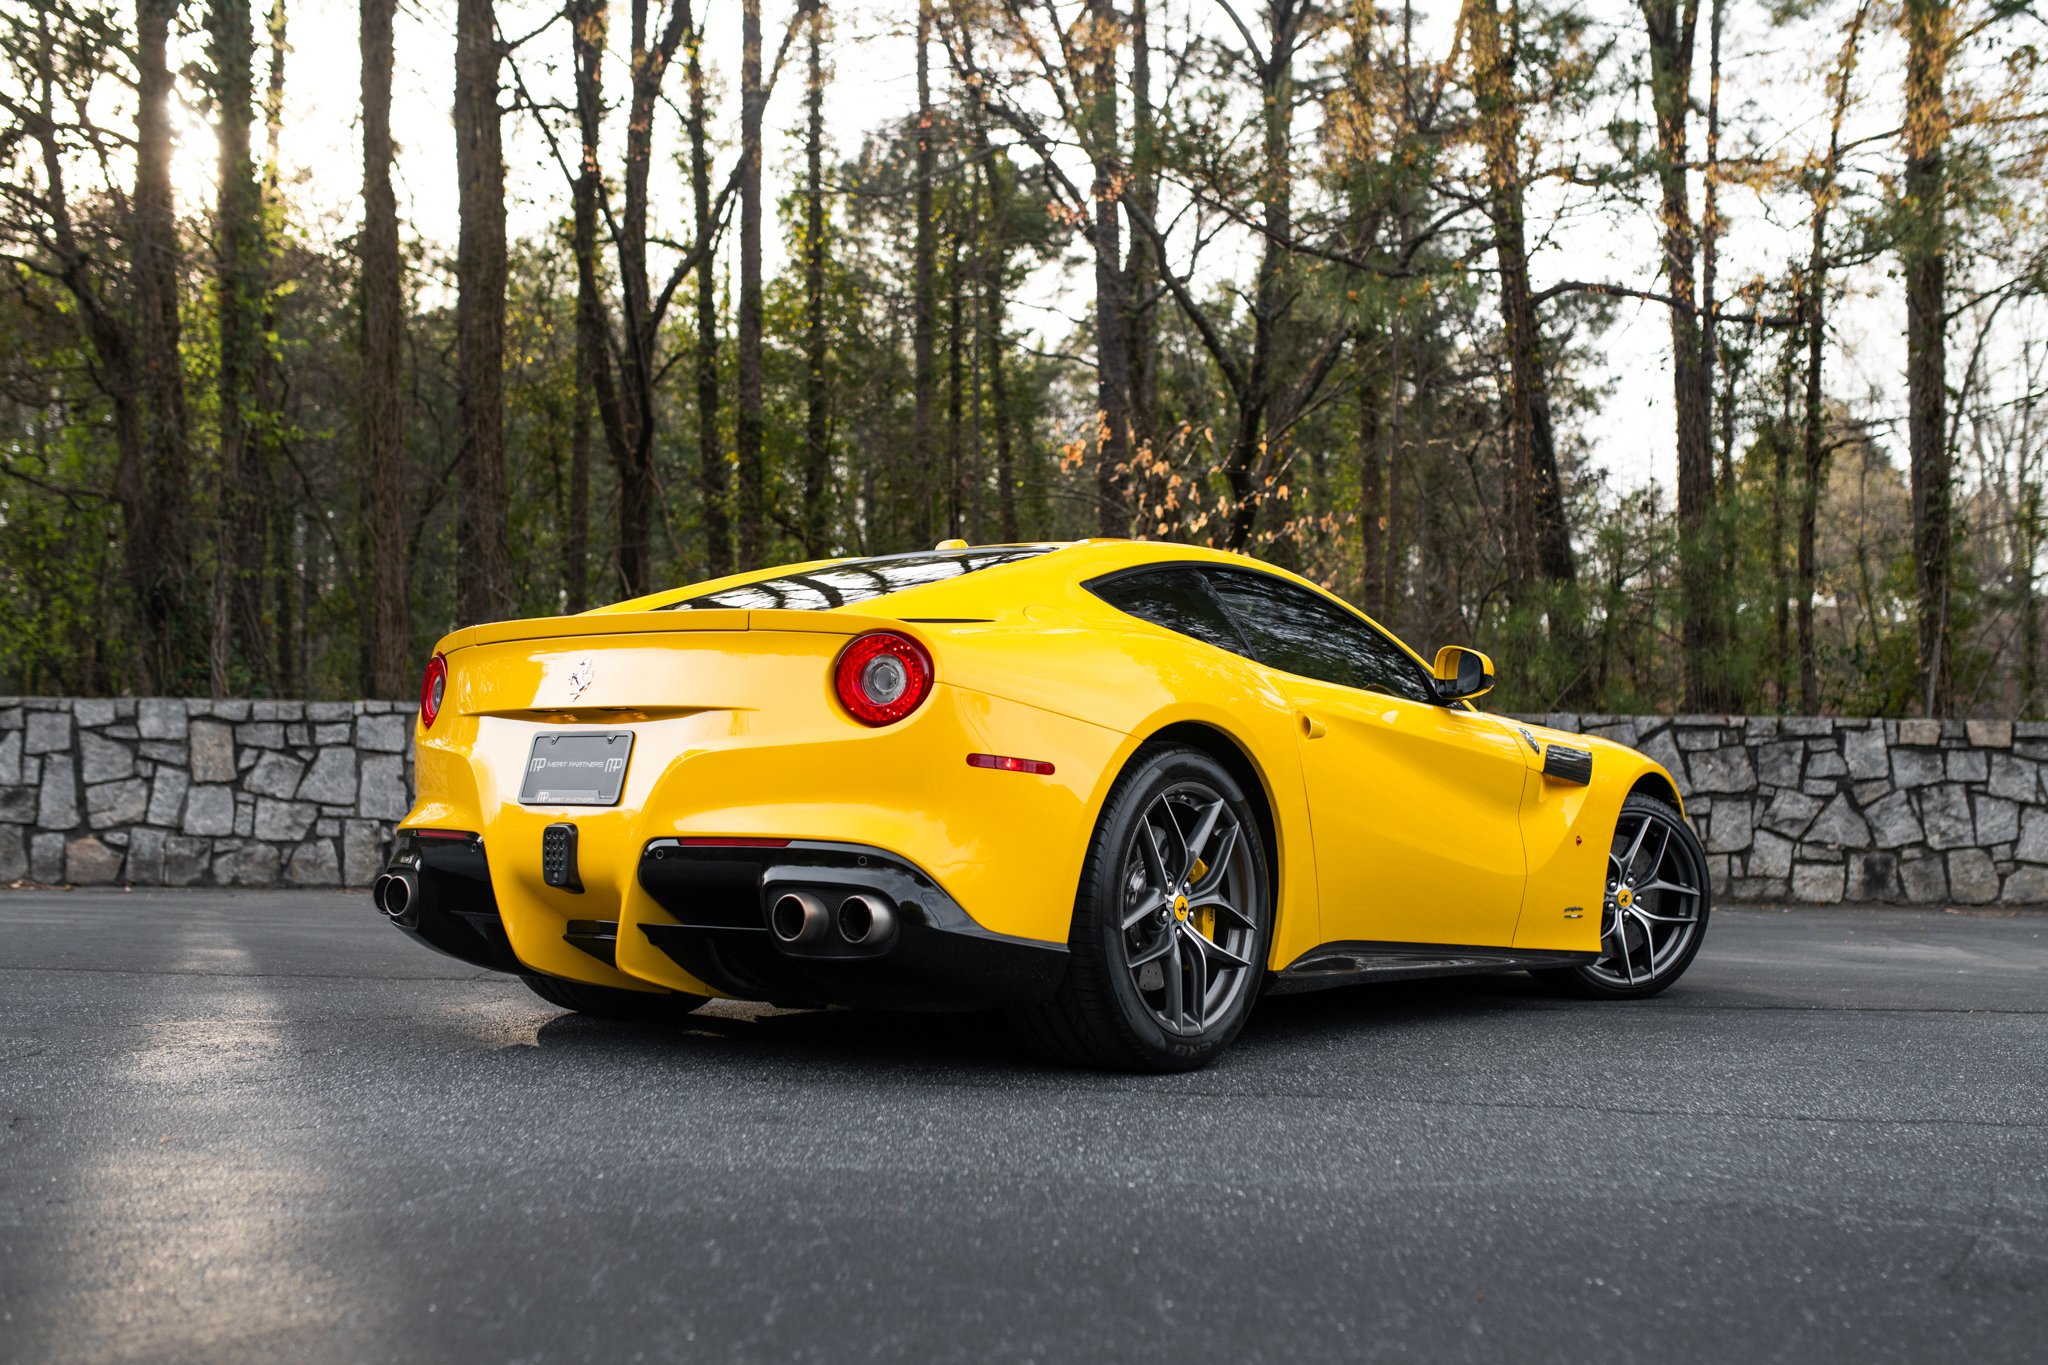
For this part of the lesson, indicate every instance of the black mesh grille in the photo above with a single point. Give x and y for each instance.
(558, 857)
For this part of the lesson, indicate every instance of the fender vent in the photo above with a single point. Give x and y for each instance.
(1568, 765)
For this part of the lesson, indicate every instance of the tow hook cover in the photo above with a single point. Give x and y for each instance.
(558, 857)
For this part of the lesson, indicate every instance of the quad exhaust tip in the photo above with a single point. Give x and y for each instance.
(798, 917)
(865, 920)
(396, 894)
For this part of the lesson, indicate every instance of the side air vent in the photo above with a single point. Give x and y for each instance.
(1568, 765)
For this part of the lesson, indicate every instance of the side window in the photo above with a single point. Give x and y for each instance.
(1296, 631)
(1175, 598)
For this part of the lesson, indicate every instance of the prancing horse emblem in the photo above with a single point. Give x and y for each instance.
(580, 676)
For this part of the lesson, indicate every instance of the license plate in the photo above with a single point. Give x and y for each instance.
(577, 768)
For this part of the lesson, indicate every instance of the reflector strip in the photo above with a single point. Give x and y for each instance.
(733, 843)
(1037, 766)
(442, 833)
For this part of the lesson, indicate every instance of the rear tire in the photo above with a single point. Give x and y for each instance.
(612, 1002)
(1653, 916)
(1167, 949)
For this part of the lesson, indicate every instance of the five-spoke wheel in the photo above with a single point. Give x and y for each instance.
(1186, 934)
(1654, 911)
(1168, 945)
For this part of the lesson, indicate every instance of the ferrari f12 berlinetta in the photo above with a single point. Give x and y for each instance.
(1118, 789)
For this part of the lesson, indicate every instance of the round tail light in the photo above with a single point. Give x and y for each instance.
(882, 677)
(433, 687)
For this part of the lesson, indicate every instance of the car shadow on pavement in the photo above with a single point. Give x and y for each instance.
(1370, 1007)
(736, 1031)
(732, 1032)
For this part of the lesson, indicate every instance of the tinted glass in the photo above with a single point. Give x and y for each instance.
(1174, 598)
(1296, 631)
(855, 580)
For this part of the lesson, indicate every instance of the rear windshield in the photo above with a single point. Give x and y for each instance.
(855, 580)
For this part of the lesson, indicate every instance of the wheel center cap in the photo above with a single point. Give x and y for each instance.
(1180, 907)
(1624, 897)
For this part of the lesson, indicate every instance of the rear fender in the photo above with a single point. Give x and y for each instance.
(1139, 680)
(1265, 739)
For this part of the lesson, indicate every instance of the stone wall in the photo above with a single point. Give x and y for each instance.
(1802, 808)
(285, 793)
(167, 792)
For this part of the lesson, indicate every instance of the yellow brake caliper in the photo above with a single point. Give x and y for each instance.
(1205, 918)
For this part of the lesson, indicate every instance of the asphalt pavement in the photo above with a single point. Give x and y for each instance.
(265, 1126)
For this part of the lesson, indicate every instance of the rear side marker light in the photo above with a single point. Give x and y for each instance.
(1037, 766)
(882, 677)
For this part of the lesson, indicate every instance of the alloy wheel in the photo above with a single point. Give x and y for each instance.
(1190, 911)
(1652, 908)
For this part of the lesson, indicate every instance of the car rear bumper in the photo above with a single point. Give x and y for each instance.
(438, 891)
(859, 926)
(1006, 845)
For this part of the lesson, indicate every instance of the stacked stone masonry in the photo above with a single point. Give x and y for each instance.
(162, 791)
(168, 792)
(1818, 809)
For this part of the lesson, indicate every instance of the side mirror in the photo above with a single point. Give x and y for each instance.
(1462, 674)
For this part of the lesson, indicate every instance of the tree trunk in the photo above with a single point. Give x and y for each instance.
(995, 246)
(1112, 308)
(713, 483)
(1670, 29)
(1253, 454)
(1539, 539)
(956, 387)
(1781, 587)
(285, 608)
(1554, 558)
(1710, 250)
(1812, 444)
(749, 429)
(1141, 274)
(1372, 493)
(269, 385)
(590, 22)
(629, 425)
(1813, 457)
(1712, 360)
(153, 484)
(630, 433)
(2028, 529)
(924, 300)
(383, 429)
(817, 468)
(1393, 579)
(484, 557)
(1923, 256)
(238, 282)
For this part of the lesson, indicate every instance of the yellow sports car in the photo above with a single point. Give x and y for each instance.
(1118, 789)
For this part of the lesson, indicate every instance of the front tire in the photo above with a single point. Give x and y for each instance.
(1653, 916)
(612, 1002)
(1167, 949)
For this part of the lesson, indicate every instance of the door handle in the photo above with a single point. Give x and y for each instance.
(1311, 728)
